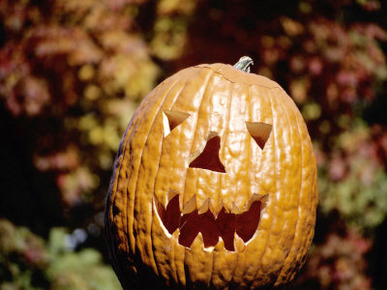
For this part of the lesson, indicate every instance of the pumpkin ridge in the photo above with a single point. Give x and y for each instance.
(301, 236)
(248, 105)
(313, 197)
(283, 98)
(143, 107)
(182, 259)
(248, 102)
(153, 259)
(300, 190)
(248, 147)
(209, 78)
(216, 256)
(114, 190)
(249, 94)
(272, 196)
(226, 132)
(155, 98)
(170, 107)
(292, 265)
(274, 103)
(131, 240)
(239, 271)
(225, 138)
(205, 95)
(157, 170)
(280, 99)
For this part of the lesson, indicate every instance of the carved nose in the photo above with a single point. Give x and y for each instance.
(209, 158)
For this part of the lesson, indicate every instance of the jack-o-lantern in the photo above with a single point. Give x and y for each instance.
(214, 184)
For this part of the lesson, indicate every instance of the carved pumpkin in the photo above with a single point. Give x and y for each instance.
(214, 184)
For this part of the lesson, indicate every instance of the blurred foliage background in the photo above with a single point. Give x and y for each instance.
(72, 73)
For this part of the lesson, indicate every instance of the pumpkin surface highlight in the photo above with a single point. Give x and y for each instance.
(214, 185)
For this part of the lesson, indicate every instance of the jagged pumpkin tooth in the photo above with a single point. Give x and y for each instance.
(235, 209)
(206, 206)
(220, 245)
(190, 206)
(209, 249)
(264, 199)
(171, 194)
(239, 244)
(253, 198)
(200, 260)
(217, 208)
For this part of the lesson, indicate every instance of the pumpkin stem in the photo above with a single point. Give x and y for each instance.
(244, 64)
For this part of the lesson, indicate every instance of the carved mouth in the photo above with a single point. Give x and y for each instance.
(226, 225)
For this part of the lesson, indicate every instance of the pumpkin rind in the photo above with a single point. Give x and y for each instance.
(221, 99)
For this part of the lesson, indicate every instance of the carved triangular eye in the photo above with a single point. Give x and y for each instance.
(172, 119)
(260, 132)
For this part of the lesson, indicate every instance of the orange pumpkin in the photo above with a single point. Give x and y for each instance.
(214, 184)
